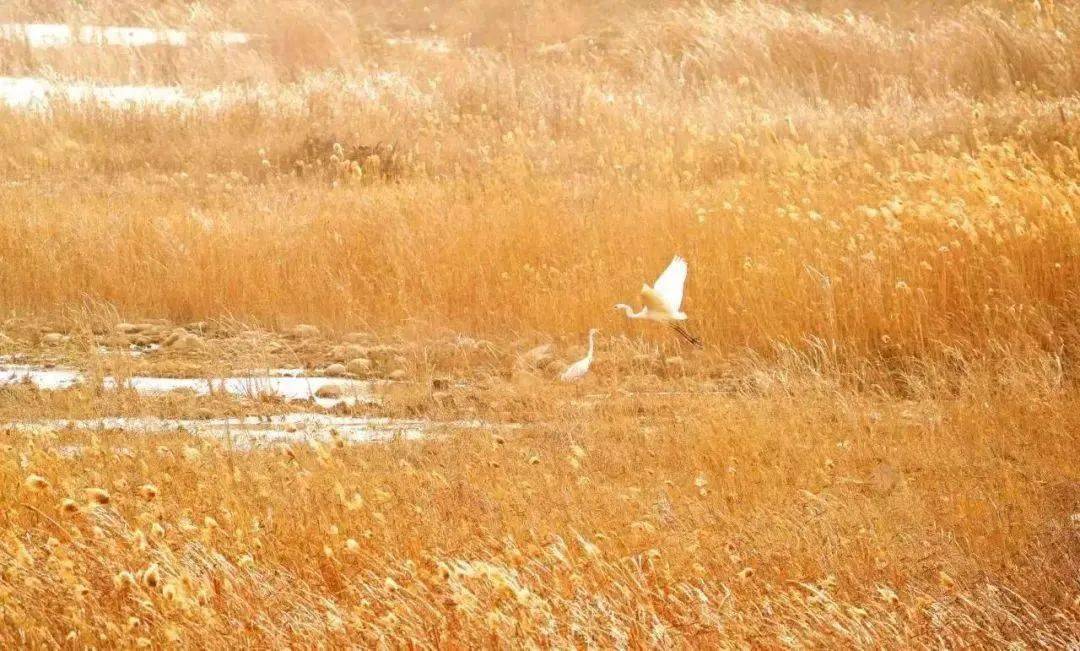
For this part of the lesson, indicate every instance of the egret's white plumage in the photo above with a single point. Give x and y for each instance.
(578, 369)
(663, 301)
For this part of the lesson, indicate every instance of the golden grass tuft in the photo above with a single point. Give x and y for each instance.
(710, 521)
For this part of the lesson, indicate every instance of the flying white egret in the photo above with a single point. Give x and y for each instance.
(663, 301)
(578, 369)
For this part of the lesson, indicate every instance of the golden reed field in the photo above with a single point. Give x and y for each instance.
(430, 204)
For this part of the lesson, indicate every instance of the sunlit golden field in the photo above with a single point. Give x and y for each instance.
(877, 446)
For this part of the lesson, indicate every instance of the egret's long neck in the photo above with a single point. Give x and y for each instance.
(630, 311)
(591, 336)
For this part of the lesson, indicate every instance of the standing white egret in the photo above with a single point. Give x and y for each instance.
(663, 301)
(578, 369)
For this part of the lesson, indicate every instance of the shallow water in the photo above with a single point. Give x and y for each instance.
(254, 431)
(51, 35)
(254, 386)
(46, 379)
(40, 94)
(133, 350)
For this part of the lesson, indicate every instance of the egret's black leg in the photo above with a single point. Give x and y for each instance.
(685, 334)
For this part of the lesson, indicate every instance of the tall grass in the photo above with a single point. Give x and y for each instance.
(893, 191)
(830, 520)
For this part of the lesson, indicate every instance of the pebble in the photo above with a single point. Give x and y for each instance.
(52, 339)
(338, 353)
(398, 375)
(329, 391)
(358, 366)
(381, 352)
(305, 331)
(335, 370)
(188, 342)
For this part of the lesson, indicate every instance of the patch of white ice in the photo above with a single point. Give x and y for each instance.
(252, 431)
(46, 379)
(286, 388)
(41, 94)
(38, 94)
(52, 35)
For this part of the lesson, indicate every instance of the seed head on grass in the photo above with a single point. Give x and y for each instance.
(37, 483)
(151, 576)
(148, 492)
(97, 496)
(123, 580)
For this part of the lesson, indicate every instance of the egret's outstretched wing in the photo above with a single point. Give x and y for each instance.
(669, 286)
